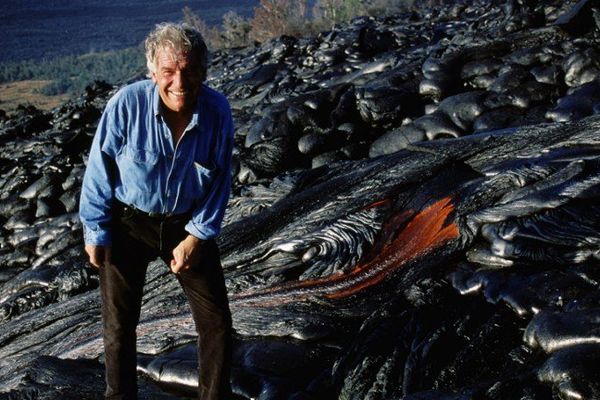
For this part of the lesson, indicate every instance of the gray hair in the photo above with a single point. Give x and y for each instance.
(181, 38)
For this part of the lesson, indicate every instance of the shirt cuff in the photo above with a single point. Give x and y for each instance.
(202, 232)
(96, 237)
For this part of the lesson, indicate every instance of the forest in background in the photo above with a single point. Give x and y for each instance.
(71, 74)
(272, 18)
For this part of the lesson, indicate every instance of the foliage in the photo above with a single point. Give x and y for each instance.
(236, 30)
(278, 17)
(211, 35)
(273, 18)
(234, 33)
(334, 11)
(73, 73)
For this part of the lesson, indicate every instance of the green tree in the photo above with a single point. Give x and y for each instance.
(211, 35)
(236, 30)
(274, 18)
(335, 11)
(72, 74)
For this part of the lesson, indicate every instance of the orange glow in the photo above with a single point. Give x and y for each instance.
(377, 204)
(422, 233)
(426, 231)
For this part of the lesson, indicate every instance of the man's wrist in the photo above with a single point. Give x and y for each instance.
(194, 240)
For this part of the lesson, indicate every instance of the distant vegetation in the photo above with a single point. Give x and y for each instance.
(271, 18)
(73, 73)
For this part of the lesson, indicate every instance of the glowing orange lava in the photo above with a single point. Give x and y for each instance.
(421, 233)
(425, 232)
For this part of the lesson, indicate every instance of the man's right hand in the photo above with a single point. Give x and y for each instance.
(99, 255)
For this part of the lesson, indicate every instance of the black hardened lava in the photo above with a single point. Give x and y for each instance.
(415, 215)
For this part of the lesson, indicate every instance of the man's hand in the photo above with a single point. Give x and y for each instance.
(186, 254)
(99, 255)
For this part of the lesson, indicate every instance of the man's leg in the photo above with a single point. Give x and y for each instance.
(204, 287)
(121, 287)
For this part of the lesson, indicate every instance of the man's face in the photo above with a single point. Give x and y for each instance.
(178, 79)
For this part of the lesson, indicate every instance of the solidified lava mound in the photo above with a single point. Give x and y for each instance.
(415, 215)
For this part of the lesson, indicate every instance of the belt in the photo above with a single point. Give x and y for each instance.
(126, 209)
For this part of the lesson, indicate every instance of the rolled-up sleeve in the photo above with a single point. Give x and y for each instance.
(208, 214)
(97, 190)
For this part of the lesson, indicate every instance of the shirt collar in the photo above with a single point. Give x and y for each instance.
(156, 102)
(195, 116)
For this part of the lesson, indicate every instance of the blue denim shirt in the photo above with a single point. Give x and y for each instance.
(133, 159)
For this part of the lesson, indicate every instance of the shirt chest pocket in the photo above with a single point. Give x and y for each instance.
(200, 180)
(138, 169)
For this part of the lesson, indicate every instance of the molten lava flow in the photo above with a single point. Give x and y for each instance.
(424, 232)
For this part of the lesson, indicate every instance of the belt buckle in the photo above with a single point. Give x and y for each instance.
(159, 215)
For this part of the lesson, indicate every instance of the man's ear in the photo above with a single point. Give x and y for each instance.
(153, 77)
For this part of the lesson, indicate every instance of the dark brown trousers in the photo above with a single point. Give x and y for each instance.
(138, 239)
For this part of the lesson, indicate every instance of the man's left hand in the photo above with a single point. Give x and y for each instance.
(186, 254)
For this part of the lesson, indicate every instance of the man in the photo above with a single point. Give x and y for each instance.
(156, 185)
